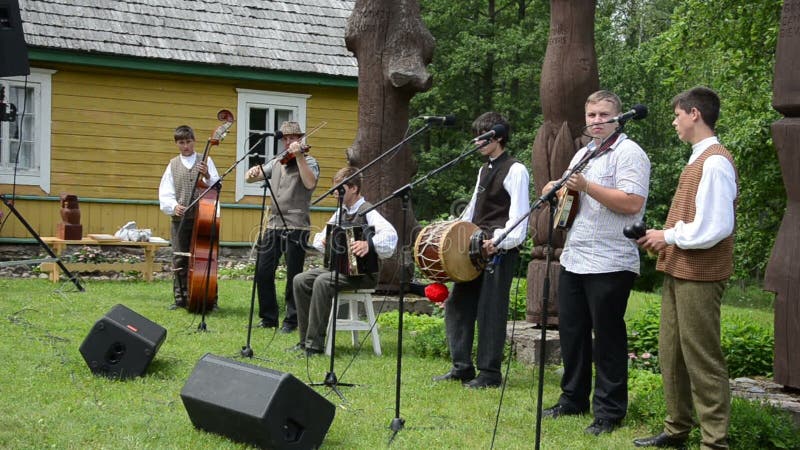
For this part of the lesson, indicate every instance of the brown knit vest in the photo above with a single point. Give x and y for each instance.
(711, 264)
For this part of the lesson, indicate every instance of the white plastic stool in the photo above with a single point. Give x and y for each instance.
(353, 322)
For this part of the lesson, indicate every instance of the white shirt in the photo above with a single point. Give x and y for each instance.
(384, 240)
(714, 216)
(166, 190)
(595, 243)
(516, 184)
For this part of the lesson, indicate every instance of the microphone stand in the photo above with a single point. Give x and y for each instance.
(330, 378)
(404, 193)
(549, 198)
(337, 255)
(10, 203)
(247, 351)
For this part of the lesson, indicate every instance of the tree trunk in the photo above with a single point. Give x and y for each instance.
(569, 75)
(393, 48)
(782, 276)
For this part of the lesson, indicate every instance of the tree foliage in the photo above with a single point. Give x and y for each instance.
(489, 56)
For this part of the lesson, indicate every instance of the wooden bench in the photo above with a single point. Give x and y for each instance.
(146, 267)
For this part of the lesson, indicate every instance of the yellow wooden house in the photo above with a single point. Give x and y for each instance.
(110, 80)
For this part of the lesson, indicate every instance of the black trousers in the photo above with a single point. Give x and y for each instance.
(274, 244)
(586, 303)
(483, 300)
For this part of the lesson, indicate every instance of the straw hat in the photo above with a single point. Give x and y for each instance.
(291, 129)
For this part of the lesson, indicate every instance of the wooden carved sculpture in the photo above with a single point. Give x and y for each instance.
(70, 227)
(782, 277)
(569, 75)
(393, 48)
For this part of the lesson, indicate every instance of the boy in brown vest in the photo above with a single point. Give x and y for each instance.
(174, 195)
(696, 255)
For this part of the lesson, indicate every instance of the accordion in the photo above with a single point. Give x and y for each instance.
(338, 255)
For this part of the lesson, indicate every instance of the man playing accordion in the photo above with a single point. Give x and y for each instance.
(314, 289)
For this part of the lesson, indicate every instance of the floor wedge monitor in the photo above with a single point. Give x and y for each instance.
(255, 405)
(122, 344)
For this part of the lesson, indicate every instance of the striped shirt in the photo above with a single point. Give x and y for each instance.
(595, 243)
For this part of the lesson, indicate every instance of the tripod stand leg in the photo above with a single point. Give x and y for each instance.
(10, 204)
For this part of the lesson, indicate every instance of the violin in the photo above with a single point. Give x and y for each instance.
(286, 157)
(289, 156)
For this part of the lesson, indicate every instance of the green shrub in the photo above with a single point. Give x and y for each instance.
(748, 348)
(426, 334)
(755, 425)
(643, 337)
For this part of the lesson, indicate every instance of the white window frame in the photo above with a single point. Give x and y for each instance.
(269, 100)
(41, 82)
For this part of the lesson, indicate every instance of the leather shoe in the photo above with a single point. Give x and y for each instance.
(482, 383)
(177, 305)
(299, 347)
(600, 426)
(310, 352)
(662, 440)
(265, 324)
(287, 328)
(559, 410)
(450, 376)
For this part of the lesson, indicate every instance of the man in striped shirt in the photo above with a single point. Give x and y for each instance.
(598, 268)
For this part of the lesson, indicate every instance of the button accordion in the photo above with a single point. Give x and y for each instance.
(338, 253)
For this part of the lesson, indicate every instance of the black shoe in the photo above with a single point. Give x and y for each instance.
(299, 347)
(559, 410)
(288, 328)
(482, 383)
(265, 324)
(310, 352)
(450, 376)
(662, 440)
(600, 426)
(177, 305)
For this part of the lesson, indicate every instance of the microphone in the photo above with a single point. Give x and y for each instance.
(447, 121)
(278, 134)
(497, 131)
(638, 112)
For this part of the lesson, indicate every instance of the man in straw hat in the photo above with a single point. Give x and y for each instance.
(292, 181)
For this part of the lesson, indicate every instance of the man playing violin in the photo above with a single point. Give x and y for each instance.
(292, 181)
(174, 195)
(314, 289)
(500, 198)
(598, 268)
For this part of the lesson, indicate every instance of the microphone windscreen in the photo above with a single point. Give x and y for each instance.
(641, 111)
(279, 134)
(449, 120)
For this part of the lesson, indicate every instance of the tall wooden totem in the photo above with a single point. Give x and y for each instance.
(569, 75)
(782, 276)
(393, 48)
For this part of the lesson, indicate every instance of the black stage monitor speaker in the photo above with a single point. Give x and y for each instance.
(13, 51)
(122, 344)
(254, 405)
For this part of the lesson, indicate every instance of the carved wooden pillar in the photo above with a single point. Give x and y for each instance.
(569, 75)
(393, 48)
(782, 276)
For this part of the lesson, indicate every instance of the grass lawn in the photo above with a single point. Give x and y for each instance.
(51, 400)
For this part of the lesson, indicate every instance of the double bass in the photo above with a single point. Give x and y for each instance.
(204, 249)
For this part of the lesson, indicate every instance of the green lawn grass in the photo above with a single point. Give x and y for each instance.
(51, 400)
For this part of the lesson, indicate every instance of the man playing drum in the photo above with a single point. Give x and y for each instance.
(499, 200)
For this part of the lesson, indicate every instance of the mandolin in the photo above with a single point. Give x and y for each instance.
(569, 200)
